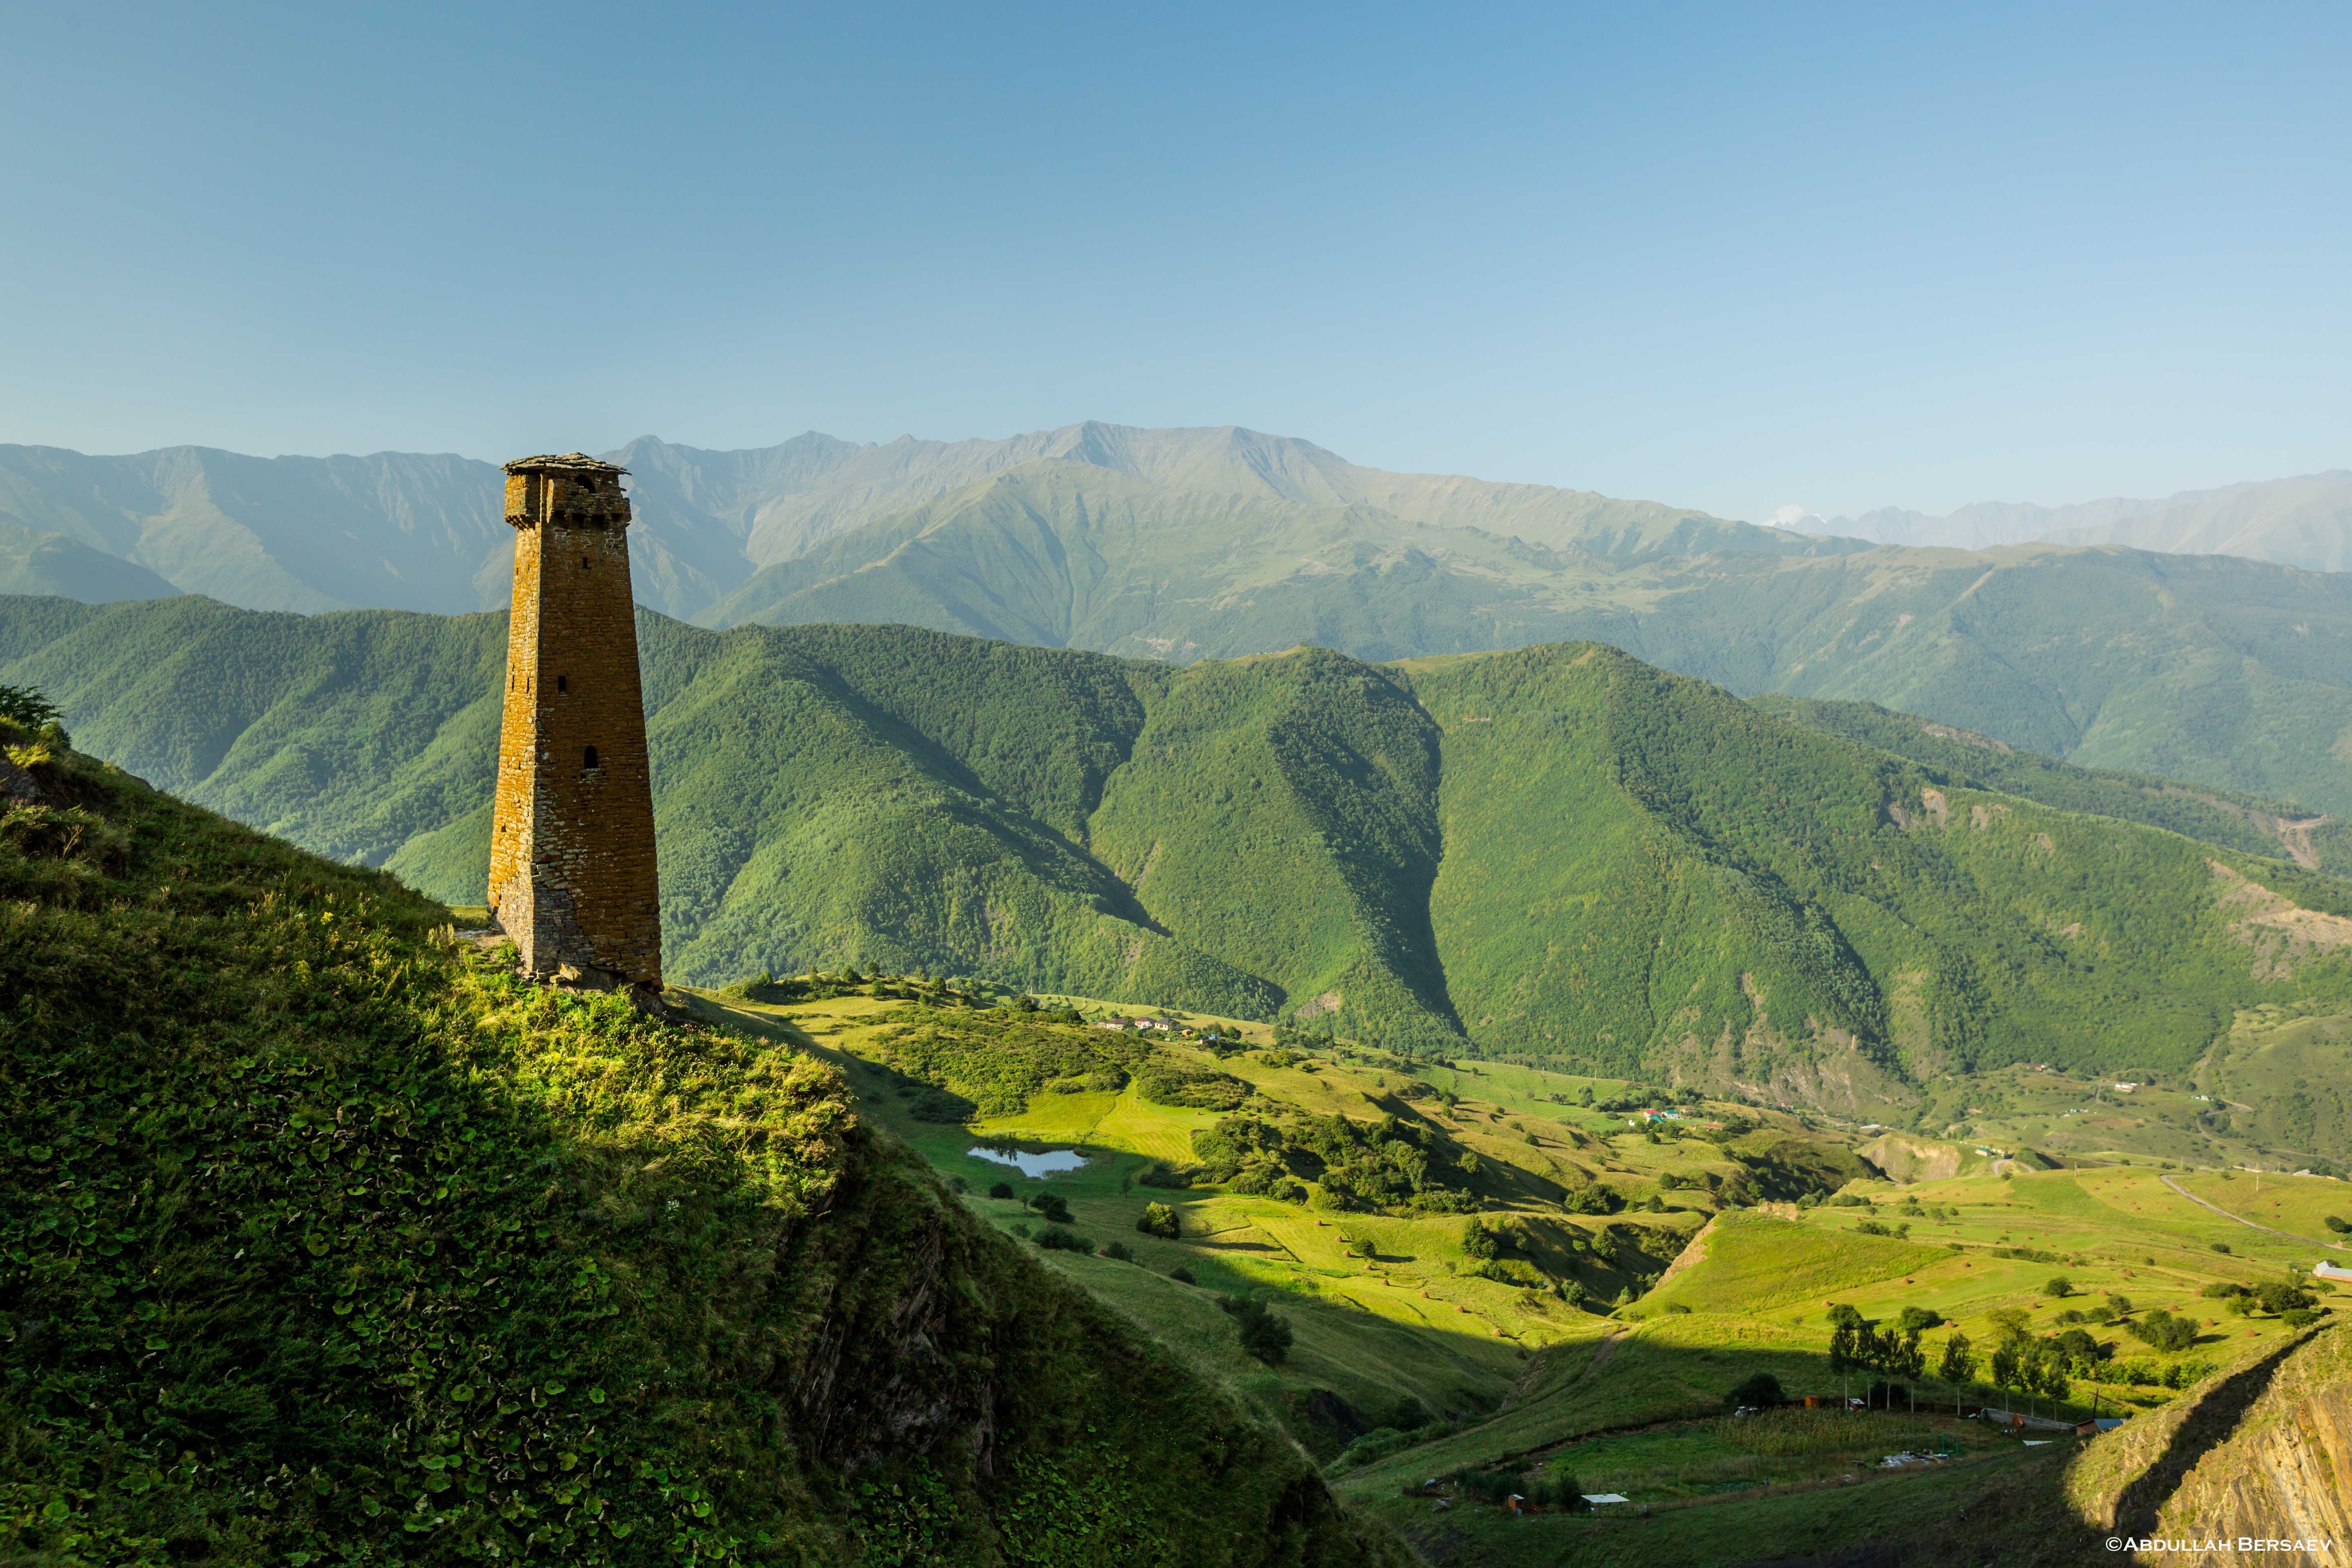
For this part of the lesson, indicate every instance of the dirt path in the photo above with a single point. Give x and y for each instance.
(2241, 1219)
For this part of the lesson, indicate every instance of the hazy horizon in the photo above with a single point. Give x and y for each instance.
(1834, 260)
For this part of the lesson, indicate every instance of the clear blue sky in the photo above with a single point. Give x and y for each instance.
(1737, 258)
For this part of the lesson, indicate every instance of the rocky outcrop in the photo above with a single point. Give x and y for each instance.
(2285, 1472)
(2263, 1451)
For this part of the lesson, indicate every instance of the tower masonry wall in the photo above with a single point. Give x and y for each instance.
(574, 878)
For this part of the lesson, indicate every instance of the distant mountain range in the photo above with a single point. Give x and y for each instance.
(2305, 522)
(422, 532)
(2218, 670)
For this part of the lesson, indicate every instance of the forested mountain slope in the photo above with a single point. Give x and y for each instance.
(1557, 853)
(323, 1239)
(2205, 668)
(1950, 755)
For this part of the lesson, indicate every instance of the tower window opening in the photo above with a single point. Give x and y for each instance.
(583, 563)
(563, 683)
(588, 757)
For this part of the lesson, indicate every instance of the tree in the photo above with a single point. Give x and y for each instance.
(1053, 1205)
(26, 706)
(2058, 1285)
(1264, 1335)
(2276, 1298)
(1478, 1242)
(1001, 1190)
(1958, 1366)
(1762, 1390)
(1160, 1220)
(2005, 1368)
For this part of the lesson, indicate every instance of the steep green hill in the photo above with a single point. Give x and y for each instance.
(322, 1239)
(1558, 853)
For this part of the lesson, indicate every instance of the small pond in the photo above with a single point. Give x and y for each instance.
(1047, 1164)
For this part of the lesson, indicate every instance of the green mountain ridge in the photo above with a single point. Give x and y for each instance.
(2208, 670)
(1558, 855)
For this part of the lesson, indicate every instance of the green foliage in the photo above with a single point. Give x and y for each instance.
(1160, 1220)
(2229, 819)
(2162, 1331)
(1398, 1163)
(2281, 1299)
(1056, 1239)
(996, 1062)
(26, 707)
(1760, 1389)
(1165, 1085)
(1264, 1333)
(323, 1239)
(2058, 1285)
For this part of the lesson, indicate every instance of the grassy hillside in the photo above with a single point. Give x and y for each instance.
(323, 1239)
(1557, 855)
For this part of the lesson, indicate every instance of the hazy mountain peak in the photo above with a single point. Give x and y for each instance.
(2304, 520)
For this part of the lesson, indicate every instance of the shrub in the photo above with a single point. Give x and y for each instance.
(1160, 1174)
(2161, 1329)
(2284, 1299)
(2058, 1285)
(1918, 1320)
(1001, 1190)
(2337, 1222)
(1761, 1390)
(1181, 1275)
(1265, 1334)
(1053, 1205)
(2221, 1289)
(1593, 1197)
(1053, 1238)
(2299, 1316)
(2220, 1246)
(1119, 1250)
(1477, 1241)
(1160, 1220)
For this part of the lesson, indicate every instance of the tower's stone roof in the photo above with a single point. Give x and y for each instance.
(566, 463)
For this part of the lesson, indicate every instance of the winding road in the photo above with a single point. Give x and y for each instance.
(2241, 1219)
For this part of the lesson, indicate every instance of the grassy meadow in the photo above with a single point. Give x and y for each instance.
(1412, 1360)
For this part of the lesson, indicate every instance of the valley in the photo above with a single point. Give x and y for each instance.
(1557, 857)
(1410, 1357)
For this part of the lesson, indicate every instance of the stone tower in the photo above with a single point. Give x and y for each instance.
(573, 877)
